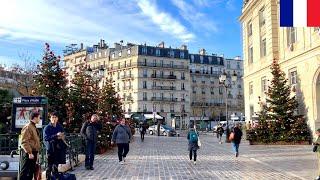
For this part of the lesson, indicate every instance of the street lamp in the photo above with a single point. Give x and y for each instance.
(223, 81)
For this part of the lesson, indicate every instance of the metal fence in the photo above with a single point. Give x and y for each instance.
(9, 143)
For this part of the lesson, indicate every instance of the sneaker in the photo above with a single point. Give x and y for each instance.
(91, 168)
(237, 154)
(121, 163)
(195, 162)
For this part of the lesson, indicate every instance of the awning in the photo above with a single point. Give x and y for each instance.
(150, 116)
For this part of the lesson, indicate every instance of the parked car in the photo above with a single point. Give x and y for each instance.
(224, 125)
(164, 130)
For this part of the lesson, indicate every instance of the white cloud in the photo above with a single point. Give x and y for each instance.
(197, 19)
(166, 23)
(230, 5)
(65, 22)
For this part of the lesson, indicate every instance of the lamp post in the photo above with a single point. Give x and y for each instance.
(97, 76)
(223, 81)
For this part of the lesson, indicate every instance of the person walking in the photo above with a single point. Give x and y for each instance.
(89, 131)
(30, 144)
(143, 130)
(317, 150)
(220, 132)
(53, 138)
(235, 137)
(121, 136)
(193, 144)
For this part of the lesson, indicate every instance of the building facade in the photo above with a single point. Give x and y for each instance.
(169, 81)
(297, 50)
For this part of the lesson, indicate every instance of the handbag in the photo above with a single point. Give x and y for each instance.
(37, 172)
(199, 142)
(315, 148)
(231, 136)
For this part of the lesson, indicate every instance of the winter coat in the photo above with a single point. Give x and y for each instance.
(121, 134)
(89, 130)
(192, 146)
(220, 130)
(54, 146)
(237, 135)
(30, 140)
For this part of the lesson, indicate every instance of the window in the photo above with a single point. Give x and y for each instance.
(182, 86)
(262, 20)
(201, 59)
(182, 75)
(95, 56)
(203, 91)
(120, 53)
(144, 108)
(161, 108)
(263, 48)
(118, 87)
(129, 51)
(211, 90)
(220, 90)
(154, 83)
(250, 88)
(144, 50)
(157, 52)
(113, 55)
(161, 63)
(118, 75)
(228, 64)
(171, 96)
(154, 62)
(171, 53)
(193, 90)
(251, 110)
(264, 84)
(249, 28)
(171, 73)
(144, 84)
(171, 63)
(192, 58)
(250, 54)
(293, 77)
(171, 108)
(291, 36)
(238, 65)
(145, 73)
(181, 55)
(162, 96)
(99, 55)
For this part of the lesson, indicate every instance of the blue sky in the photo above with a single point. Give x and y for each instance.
(26, 25)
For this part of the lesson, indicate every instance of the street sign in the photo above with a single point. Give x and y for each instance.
(23, 106)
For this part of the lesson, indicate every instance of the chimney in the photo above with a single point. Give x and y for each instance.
(81, 46)
(117, 46)
(101, 43)
(183, 47)
(161, 45)
(95, 48)
(202, 51)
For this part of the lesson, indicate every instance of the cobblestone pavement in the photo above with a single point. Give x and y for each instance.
(167, 158)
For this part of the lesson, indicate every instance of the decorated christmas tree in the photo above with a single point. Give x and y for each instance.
(83, 98)
(50, 81)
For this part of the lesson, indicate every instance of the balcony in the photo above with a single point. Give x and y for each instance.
(129, 76)
(129, 98)
(201, 104)
(164, 99)
(145, 64)
(183, 78)
(164, 87)
(163, 76)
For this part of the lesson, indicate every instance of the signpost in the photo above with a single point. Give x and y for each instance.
(23, 106)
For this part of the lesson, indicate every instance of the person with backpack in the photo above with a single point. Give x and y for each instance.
(193, 144)
(89, 131)
(220, 132)
(121, 136)
(235, 138)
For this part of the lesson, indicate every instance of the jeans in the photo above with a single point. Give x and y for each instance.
(123, 149)
(52, 166)
(235, 147)
(194, 155)
(142, 135)
(27, 166)
(90, 151)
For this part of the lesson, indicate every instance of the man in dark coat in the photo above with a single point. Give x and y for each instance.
(89, 132)
(236, 139)
(143, 130)
(53, 138)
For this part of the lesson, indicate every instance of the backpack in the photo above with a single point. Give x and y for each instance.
(193, 136)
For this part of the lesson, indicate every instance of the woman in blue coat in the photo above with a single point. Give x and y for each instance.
(53, 137)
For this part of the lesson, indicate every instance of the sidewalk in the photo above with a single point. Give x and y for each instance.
(167, 158)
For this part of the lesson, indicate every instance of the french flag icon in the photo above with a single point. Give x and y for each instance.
(300, 13)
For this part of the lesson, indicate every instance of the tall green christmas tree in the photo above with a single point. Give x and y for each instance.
(50, 81)
(83, 99)
(281, 106)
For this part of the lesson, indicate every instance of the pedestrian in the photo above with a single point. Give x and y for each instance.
(54, 141)
(30, 143)
(317, 150)
(235, 138)
(121, 136)
(143, 130)
(193, 144)
(220, 132)
(89, 131)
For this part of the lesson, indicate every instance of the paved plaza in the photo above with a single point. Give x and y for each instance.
(167, 158)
